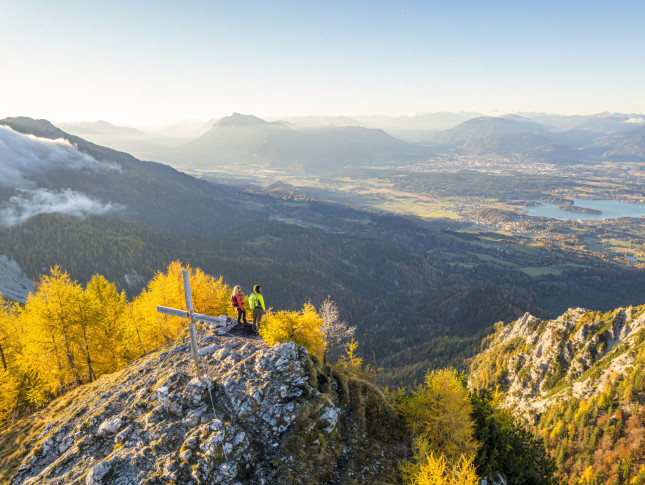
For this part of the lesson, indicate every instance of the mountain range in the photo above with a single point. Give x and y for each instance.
(512, 135)
(99, 127)
(148, 192)
(330, 143)
(244, 139)
(66, 201)
(509, 136)
(421, 296)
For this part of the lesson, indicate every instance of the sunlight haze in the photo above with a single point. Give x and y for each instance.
(154, 62)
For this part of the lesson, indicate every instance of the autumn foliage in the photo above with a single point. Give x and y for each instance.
(303, 327)
(439, 414)
(66, 335)
(438, 471)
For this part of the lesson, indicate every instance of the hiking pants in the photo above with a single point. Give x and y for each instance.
(241, 316)
(257, 316)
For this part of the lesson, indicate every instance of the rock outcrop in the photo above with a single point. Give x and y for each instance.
(538, 363)
(259, 414)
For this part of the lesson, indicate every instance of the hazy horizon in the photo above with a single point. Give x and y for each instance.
(143, 63)
(162, 124)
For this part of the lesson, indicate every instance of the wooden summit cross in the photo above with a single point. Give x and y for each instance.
(193, 317)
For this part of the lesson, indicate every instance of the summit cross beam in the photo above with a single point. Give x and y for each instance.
(192, 318)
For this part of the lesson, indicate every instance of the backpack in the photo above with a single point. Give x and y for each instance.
(253, 301)
(234, 301)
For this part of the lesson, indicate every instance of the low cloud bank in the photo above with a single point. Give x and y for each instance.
(24, 155)
(29, 202)
(14, 283)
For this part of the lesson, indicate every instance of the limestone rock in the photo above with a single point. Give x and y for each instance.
(543, 357)
(259, 414)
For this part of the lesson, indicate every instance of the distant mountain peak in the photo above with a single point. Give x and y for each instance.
(42, 128)
(101, 124)
(238, 119)
(515, 117)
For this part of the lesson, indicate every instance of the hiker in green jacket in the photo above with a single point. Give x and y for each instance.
(257, 307)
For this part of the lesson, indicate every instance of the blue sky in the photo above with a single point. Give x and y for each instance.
(146, 62)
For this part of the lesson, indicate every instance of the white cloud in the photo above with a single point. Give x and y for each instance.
(24, 155)
(29, 202)
(636, 121)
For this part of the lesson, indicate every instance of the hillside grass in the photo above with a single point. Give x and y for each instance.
(535, 271)
(19, 435)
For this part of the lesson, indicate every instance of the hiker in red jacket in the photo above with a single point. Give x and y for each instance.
(237, 300)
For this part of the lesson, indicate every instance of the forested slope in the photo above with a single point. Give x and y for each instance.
(399, 297)
(250, 416)
(578, 381)
(402, 282)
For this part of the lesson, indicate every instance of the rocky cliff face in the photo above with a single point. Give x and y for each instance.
(539, 362)
(260, 414)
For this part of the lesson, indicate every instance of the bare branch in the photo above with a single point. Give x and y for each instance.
(336, 331)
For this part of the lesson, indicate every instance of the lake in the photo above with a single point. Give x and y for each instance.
(611, 209)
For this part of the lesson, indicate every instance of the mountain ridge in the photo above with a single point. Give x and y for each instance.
(246, 139)
(152, 422)
(565, 139)
(578, 381)
(151, 192)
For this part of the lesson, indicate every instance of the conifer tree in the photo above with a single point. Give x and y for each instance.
(149, 329)
(439, 414)
(352, 364)
(11, 376)
(101, 310)
(336, 332)
(52, 335)
(437, 471)
(9, 336)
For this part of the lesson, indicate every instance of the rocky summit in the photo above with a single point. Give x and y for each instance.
(579, 382)
(259, 414)
(541, 362)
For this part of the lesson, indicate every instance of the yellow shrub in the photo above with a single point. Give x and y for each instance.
(303, 327)
(437, 471)
(352, 364)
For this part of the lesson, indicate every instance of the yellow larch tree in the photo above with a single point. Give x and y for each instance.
(53, 350)
(101, 309)
(65, 335)
(148, 328)
(303, 327)
(11, 377)
(437, 471)
(439, 414)
(351, 363)
(10, 346)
